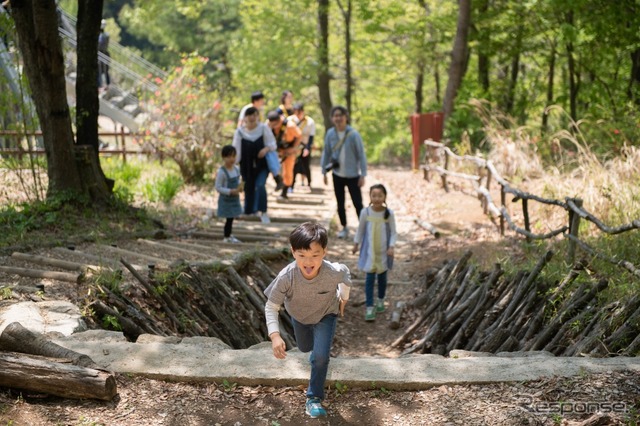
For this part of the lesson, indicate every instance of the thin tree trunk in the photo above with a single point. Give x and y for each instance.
(346, 13)
(483, 59)
(552, 69)
(634, 82)
(324, 78)
(419, 85)
(513, 81)
(573, 85)
(458, 56)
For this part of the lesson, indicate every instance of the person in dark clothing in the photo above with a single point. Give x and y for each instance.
(103, 60)
(253, 141)
(308, 128)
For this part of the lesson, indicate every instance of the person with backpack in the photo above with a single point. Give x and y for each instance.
(376, 237)
(344, 156)
(307, 126)
(288, 137)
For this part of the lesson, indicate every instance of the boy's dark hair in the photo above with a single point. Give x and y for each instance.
(298, 106)
(250, 111)
(228, 151)
(256, 96)
(384, 191)
(273, 115)
(306, 234)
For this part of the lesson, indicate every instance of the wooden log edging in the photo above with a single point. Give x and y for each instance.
(492, 312)
(221, 299)
(38, 273)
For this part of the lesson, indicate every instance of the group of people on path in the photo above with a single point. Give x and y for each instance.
(313, 290)
(280, 145)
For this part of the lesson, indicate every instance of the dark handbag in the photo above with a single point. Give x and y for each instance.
(332, 165)
(335, 163)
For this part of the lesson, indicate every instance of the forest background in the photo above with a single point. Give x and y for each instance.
(554, 84)
(546, 64)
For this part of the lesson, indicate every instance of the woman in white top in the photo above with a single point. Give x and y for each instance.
(253, 141)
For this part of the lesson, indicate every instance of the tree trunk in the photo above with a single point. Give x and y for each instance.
(634, 81)
(573, 85)
(346, 13)
(55, 378)
(419, 85)
(37, 29)
(513, 81)
(552, 69)
(87, 105)
(484, 62)
(458, 56)
(324, 78)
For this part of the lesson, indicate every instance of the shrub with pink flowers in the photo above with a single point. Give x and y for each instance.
(187, 121)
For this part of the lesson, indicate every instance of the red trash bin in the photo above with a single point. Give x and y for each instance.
(424, 126)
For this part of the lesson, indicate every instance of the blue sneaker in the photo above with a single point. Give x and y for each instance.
(314, 408)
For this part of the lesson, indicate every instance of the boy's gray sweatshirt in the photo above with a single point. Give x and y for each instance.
(307, 301)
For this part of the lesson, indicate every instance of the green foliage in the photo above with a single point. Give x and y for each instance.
(111, 322)
(341, 388)
(163, 189)
(5, 293)
(112, 279)
(175, 28)
(190, 131)
(228, 386)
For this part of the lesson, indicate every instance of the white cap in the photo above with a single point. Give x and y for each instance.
(103, 24)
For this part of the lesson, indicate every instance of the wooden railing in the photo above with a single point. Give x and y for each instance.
(119, 138)
(438, 152)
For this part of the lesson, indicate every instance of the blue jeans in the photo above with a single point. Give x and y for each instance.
(369, 281)
(255, 194)
(260, 203)
(273, 162)
(316, 338)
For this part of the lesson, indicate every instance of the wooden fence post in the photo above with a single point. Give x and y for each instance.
(446, 169)
(574, 225)
(502, 200)
(525, 212)
(124, 147)
(427, 160)
(485, 204)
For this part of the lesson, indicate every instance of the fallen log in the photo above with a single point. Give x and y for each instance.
(55, 377)
(429, 227)
(37, 273)
(16, 338)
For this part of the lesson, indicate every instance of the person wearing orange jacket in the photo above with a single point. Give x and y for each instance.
(288, 137)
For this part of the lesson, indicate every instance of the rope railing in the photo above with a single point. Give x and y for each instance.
(436, 151)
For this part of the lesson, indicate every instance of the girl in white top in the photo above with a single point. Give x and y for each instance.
(376, 238)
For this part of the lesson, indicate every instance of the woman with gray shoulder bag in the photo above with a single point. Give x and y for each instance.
(343, 155)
